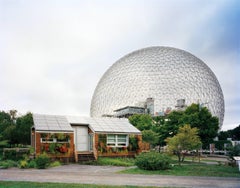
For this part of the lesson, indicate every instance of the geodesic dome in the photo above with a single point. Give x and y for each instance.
(163, 73)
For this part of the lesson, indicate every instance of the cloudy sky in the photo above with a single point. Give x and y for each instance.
(53, 53)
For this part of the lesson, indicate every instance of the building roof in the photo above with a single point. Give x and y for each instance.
(105, 125)
(127, 107)
(51, 123)
(98, 125)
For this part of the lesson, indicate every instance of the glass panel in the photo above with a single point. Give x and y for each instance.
(111, 139)
(90, 137)
(122, 138)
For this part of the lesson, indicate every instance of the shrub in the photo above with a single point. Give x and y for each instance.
(55, 164)
(23, 164)
(10, 154)
(31, 164)
(7, 164)
(42, 161)
(233, 151)
(153, 161)
(133, 143)
(16, 153)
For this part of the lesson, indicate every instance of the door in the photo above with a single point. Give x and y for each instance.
(81, 138)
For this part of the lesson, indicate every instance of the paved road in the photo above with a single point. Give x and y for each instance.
(107, 175)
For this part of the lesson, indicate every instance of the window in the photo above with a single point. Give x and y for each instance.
(48, 140)
(117, 140)
(55, 138)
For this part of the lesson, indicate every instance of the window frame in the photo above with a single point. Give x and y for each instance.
(116, 141)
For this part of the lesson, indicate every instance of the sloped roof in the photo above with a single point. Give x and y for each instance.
(98, 125)
(105, 125)
(51, 123)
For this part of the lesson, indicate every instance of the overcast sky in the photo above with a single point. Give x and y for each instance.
(53, 53)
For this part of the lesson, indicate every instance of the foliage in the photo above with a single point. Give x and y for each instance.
(102, 140)
(150, 137)
(133, 143)
(190, 170)
(10, 134)
(232, 133)
(31, 164)
(3, 143)
(195, 115)
(23, 129)
(170, 127)
(220, 144)
(201, 118)
(15, 130)
(10, 154)
(7, 164)
(55, 164)
(16, 153)
(60, 143)
(186, 139)
(115, 161)
(141, 121)
(153, 161)
(42, 161)
(26, 162)
(233, 151)
(23, 164)
(5, 121)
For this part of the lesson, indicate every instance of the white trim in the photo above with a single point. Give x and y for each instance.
(116, 142)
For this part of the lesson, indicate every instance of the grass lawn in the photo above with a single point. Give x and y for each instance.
(188, 168)
(191, 170)
(13, 184)
(112, 161)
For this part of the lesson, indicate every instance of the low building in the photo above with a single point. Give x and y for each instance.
(82, 138)
(128, 111)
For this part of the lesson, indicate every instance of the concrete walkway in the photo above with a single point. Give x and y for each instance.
(108, 175)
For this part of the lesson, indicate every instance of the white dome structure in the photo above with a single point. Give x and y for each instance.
(163, 73)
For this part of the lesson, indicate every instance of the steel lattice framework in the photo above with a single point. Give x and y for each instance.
(163, 73)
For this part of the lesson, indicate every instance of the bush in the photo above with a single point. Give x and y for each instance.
(31, 164)
(15, 153)
(7, 164)
(42, 161)
(23, 164)
(55, 164)
(153, 161)
(10, 154)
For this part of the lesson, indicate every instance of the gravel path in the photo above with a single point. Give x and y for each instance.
(108, 175)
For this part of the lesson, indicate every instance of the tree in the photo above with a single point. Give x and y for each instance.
(235, 133)
(23, 128)
(170, 126)
(141, 121)
(233, 151)
(186, 139)
(150, 137)
(224, 135)
(232, 133)
(196, 116)
(5, 121)
(201, 118)
(10, 134)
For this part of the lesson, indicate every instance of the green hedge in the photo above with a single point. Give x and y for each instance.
(15, 153)
(153, 161)
(42, 161)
